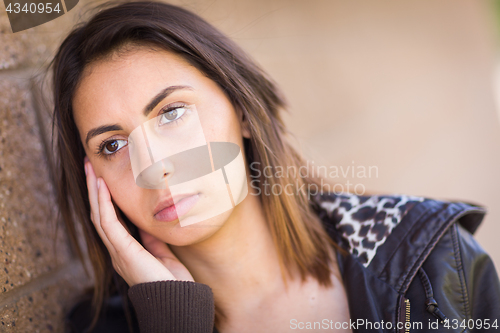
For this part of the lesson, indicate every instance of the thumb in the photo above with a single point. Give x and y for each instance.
(155, 246)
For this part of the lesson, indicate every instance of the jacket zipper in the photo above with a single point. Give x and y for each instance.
(403, 315)
(407, 316)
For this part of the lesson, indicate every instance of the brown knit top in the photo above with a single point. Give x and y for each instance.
(173, 306)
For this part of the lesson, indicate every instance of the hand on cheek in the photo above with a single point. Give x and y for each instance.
(135, 263)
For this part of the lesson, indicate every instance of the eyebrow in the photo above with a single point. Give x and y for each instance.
(162, 95)
(100, 130)
(151, 105)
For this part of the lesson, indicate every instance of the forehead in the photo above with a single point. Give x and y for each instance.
(125, 82)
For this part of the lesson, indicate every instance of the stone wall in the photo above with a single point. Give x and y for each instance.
(39, 275)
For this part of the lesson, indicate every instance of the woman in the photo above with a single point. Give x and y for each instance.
(263, 262)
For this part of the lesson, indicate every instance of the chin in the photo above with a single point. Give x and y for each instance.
(194, 233)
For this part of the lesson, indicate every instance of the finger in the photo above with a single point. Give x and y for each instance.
(155, 246)
(94, 203)
(118, 236)
(161, 251)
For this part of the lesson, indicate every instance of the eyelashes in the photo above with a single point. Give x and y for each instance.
(109, 147)
(112, 146)
(171, 115)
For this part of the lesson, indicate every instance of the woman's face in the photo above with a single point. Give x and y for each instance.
(118, 95)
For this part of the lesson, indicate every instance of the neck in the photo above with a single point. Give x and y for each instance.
(240, 261)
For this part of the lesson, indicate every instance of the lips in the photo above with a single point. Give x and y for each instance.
(172, 208)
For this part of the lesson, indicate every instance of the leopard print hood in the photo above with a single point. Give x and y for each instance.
(364, 223)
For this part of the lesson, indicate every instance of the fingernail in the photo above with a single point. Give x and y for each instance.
(98, 183)
(85, 166)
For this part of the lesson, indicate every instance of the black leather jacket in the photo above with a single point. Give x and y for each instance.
(426, 267)
(411, 265)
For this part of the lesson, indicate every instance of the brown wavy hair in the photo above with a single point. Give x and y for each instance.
(300, 239)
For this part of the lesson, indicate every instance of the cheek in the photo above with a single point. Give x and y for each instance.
(116, 174)
(222, 126)
(119, 178)
(130, 199)
(121, 189)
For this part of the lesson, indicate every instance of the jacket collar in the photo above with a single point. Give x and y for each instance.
(392, 235)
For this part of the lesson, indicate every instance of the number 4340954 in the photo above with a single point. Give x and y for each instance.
(33, 8)
(471, 324)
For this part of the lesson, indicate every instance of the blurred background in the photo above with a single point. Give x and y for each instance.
(411, 88)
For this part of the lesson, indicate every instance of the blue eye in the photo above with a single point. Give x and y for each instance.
(112, 146)
(170, 116)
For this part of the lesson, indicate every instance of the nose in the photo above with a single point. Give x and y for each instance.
(156, 176)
